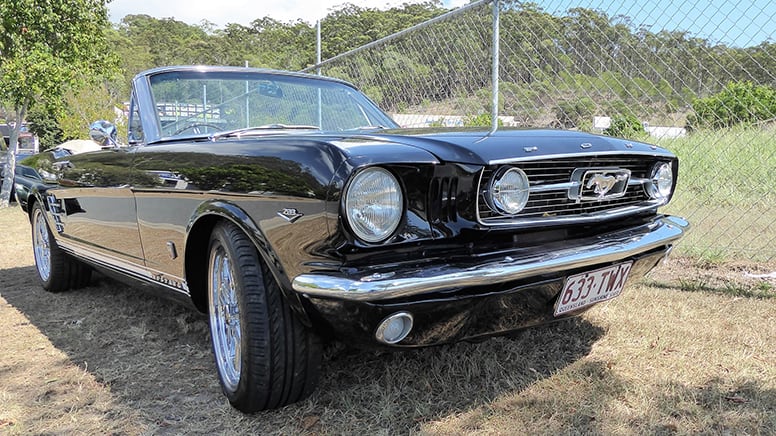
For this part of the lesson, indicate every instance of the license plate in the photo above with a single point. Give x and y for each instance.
(592, 287)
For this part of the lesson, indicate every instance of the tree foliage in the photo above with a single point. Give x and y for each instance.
(44, 48)
(573, 113)
(737, 103)
(549, 59)
(43, 123)
(626, 126)
(481, 120)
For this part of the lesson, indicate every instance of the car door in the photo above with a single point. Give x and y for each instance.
(94, 209)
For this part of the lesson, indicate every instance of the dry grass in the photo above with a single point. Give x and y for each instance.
(689, 350)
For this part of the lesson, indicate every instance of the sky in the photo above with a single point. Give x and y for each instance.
(738, 23)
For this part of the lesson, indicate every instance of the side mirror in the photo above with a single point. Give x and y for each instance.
(104, 133)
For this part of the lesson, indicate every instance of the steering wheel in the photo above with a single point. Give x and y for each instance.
(198, 128)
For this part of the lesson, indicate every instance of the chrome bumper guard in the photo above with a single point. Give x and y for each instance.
(610, 247)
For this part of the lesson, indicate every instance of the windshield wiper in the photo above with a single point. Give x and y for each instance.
(264, 128)
(373, 127)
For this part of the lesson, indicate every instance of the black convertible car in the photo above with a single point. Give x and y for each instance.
(291, 210)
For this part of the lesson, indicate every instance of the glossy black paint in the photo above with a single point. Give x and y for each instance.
(472, 146)
(136, 206)
(145, 211)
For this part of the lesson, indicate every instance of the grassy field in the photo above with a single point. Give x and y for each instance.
(689, 350)
(727, 190)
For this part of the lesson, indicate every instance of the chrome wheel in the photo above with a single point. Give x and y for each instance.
(265, 357)
(41, 245)
(225, 318)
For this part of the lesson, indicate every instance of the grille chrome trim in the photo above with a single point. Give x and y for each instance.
(558, 195)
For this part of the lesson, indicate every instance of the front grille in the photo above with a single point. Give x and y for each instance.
(442, 198)
(550, 182)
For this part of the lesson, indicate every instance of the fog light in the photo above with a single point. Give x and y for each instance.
(394, 328)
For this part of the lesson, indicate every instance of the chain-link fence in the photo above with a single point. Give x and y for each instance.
(698, 80)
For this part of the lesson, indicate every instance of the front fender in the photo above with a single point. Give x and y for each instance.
(198, 231)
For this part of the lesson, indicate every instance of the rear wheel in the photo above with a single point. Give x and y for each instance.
(57, 271)
(264, 356)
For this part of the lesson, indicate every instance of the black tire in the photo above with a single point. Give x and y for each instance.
(278, 359)
(57, 271)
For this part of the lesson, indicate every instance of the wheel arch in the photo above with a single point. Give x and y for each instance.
(32, 200)
(198, 232)
(35, 197)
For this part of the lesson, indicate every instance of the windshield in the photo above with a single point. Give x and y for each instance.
(204, 103)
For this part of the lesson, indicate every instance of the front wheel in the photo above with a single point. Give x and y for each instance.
(264, 356)
(57, 271)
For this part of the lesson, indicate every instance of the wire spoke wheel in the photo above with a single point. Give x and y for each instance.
(264, 356)
(57, 270)
(225, 318)
(41, 245)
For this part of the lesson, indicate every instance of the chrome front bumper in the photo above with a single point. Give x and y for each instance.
(663, 231)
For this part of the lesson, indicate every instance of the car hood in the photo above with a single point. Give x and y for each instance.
(482, 148)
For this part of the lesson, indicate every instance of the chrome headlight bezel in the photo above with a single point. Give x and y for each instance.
(373, 204)
(508, 191)
(661, 178)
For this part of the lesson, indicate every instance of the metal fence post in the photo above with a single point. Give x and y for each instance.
(496, 49)
(318, 46)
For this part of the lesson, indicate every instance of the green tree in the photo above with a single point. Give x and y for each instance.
(481, 120)
(42, 122)
(351, 26)
(44, 48)
(84, 105)
(738, 103)
(573, 113)
(626, 126)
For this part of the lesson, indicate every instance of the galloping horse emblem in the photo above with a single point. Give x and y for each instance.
(602, 184)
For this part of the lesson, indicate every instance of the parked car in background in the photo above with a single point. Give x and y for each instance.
(3, 166)
(25, 178)
(28, 143)
(31, 173)
(292, 210)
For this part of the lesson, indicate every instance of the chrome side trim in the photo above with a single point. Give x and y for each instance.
(663, 231)
(122, 266)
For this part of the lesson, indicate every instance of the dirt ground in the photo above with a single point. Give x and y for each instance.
(110, 359)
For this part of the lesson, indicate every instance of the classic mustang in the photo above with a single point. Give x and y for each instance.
(290, 209)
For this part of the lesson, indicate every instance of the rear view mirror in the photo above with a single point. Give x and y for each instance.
(270, 89)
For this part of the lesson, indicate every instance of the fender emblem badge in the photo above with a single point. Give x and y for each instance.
(290, 214)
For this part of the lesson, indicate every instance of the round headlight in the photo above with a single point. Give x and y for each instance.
(509, 191)
(662, 181)
(374, 204)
